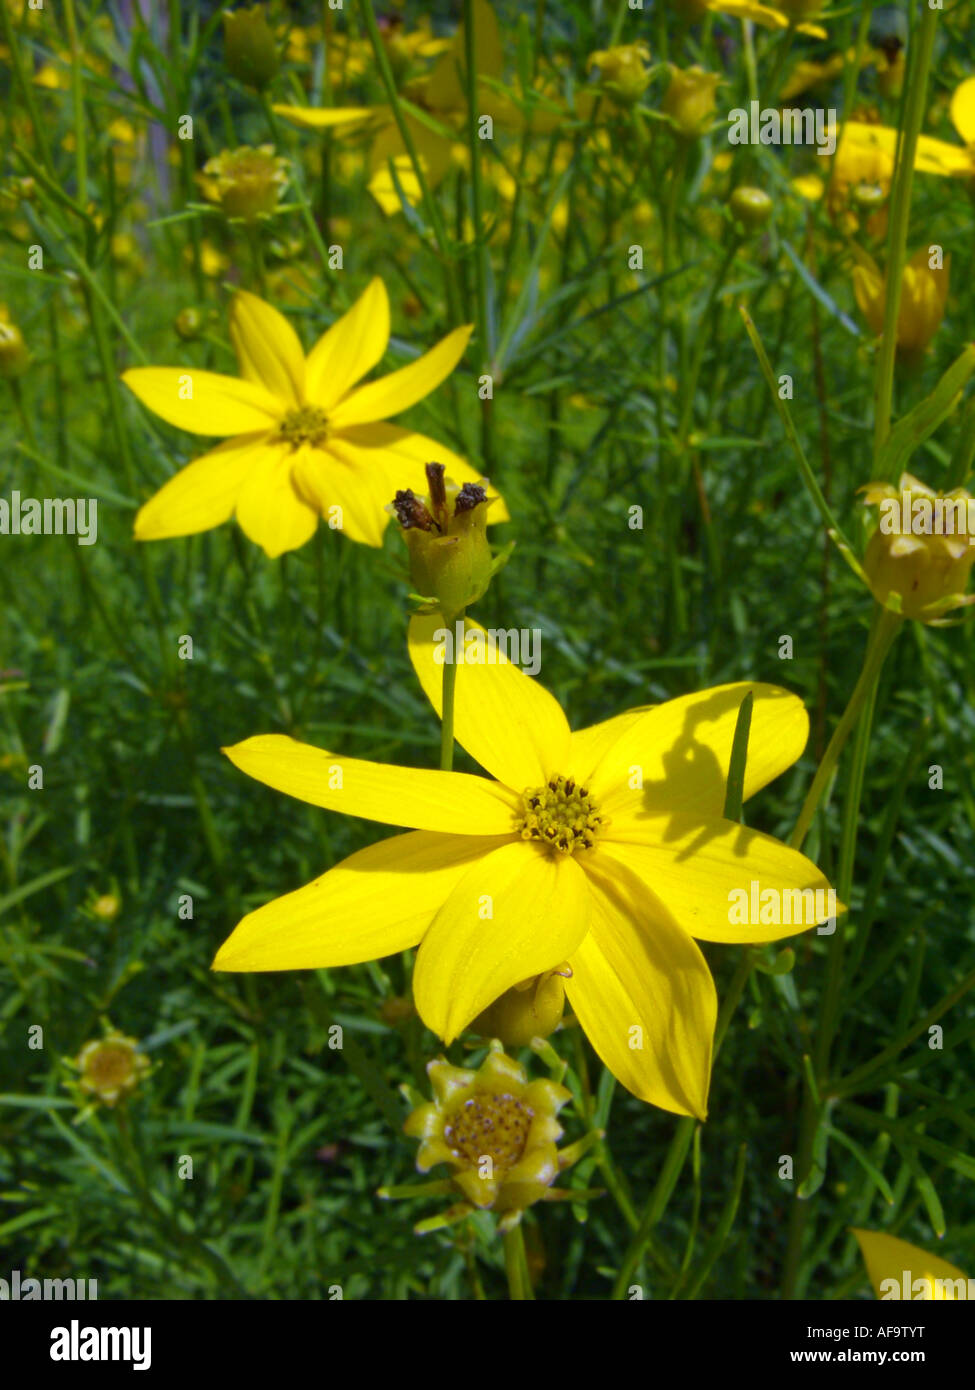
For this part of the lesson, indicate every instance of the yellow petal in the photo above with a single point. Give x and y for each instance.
(433, 151)
(682, 750)
(704, 871)
(445, 89)
(589, 746)
(451, 802)
(325, 117)
(888, 1258)
(268, 348)
(931, 156)
(398, 391)
(518, 912)
(269, 510)
(378, 901)
(402, 454)
(351, 347)
(202, 494)
(203, 402)
(351, 498)
(508, 723)
(963, 110)
(642, 991)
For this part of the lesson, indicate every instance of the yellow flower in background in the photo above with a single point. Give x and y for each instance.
(899, 1270)
(770, 17)
(111, 1067)
(689, 100)
(245, 182)
(933, 156)
(442, 95)
(855, 168)
(302, 438)
(920, 555)
(493, 1113)
(605, 849)
(14, 354)
(924, 293)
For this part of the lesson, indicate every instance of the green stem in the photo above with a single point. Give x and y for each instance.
(485, 346)
(78, 105)
(516, 1266)
(887, 626)
(917, 87)
(447, 717)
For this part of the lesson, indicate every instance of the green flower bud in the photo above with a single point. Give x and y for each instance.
(14, 357)
(532, 1009)
(188, 324)
(249, 49)
(750, 207)
(446, 533)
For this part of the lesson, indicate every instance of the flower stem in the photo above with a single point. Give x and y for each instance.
(886, 628)
(516, 1266)
(900, 212)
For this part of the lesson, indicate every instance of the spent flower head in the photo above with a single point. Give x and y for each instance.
(446, 533)
(111, 1067)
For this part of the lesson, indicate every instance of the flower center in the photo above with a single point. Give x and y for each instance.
(111, 1066)
(560, 814)
(307, 425)
(490, 1126)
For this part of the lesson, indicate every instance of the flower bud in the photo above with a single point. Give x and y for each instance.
(690, 101)
(249, 49)
(14, 357)
(750, 207)
(106, 907)
(622, 70)
(247, 183)
(532, 1009)
(920, 555)
(446, 533)
(924, 292)
(188, 323)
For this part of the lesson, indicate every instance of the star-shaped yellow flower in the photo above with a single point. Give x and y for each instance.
(606, 849)
(305, 439)
(932, 156)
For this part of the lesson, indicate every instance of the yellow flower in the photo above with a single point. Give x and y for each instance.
(689, 100)
(496, 1131)
(920, 555)
(771, 17)
(246, 183)
(606, 849)
(623, 71)
(443, 96)
(924, 292)
(106, 907)
(899, 1270)
(302, 439)
(932, 156)
(111, 1067)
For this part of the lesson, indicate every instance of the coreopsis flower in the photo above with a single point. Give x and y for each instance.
(932, 156)
(446, 534)
(247, 183)
(14, 355)
(623, 71)
(498, 1134)
(303, 440)
(604, 849)
(918, 560)
(901, 1271)
(249, 47)
(855, 169)
(689, 100)
(924, 293)
(111, 1067)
